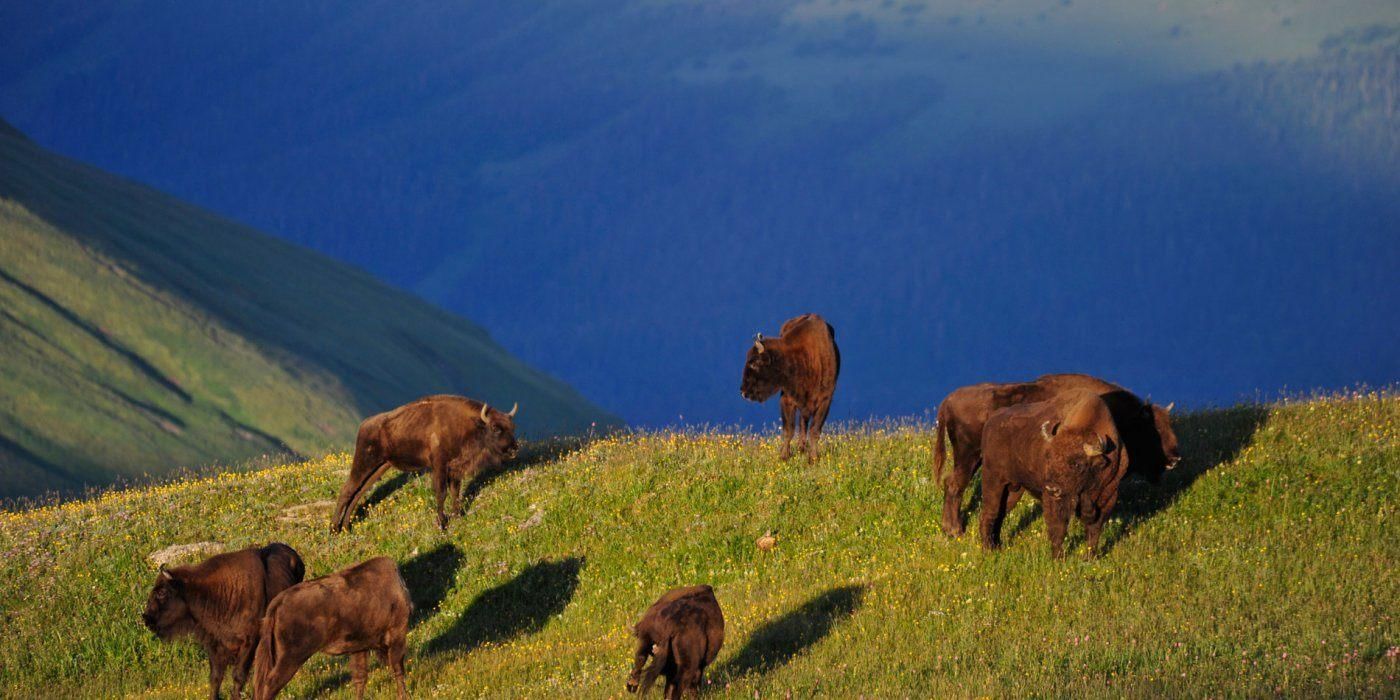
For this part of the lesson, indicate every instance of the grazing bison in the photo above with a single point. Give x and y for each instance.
(453, 437)
(353, 611)
(220, 602)
(682, 631)
(1146, 429)
(802, 363)
(1066, 451)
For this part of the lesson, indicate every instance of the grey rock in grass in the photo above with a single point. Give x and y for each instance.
(313, 512)
(185, 553)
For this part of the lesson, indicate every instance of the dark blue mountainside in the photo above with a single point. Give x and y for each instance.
(1200, 200)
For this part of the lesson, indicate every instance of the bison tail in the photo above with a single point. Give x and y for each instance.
(265, 659)
(940, 437)
(659, 659)
(365, 468)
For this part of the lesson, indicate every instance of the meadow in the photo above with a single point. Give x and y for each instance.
(1265, 564)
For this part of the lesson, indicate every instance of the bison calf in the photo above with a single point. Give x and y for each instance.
(453, 437)
(802, 363)
(220, 602)
(683, 632)
(354, 611)
(1065, 451)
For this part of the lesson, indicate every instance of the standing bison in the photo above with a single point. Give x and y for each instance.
(1146, 429)
(453, 437)
(802, 363)
(353, 611)
(1066, 451)
(682, 633)
(220, 602)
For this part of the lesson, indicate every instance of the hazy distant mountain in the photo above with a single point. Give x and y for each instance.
(1197, 199)
(140, 334)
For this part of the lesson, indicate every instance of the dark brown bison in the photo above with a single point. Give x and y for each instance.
(353, 611)
(220, 602)
(1066, 451)
(453, 437)
(802, 363)
(1146, 430)
(682, 632)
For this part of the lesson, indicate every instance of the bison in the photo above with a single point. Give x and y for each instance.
(1146, 429)
(220, 602)
(353, 611)
(452, 436)
(1066, 451)
(802, 363)
(682, 631)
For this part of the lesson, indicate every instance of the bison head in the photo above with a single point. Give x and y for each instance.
(1079, 449)
(167, 614)
(1162, 419)
(500, 431)
(762, 372)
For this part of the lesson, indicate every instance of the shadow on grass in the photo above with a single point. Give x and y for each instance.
(519, 606)
(381, 492)
(532, 454)
(1208, 439)
(779, 640)
(1027, 516)
(429, 577)
(330, 683)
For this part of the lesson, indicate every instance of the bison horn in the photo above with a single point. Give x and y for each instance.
(484, 409)
(758, 342)
(515, 407)
(1046, 430)
(1170, 406)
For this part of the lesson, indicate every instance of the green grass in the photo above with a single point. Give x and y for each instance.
(141, 334)
(1265, 564)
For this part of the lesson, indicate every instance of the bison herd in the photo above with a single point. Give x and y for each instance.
(1068, 439)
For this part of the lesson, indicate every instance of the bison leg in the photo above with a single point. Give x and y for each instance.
(359, 672)
(788, 407)
(1057, 512)
(814, 430)
(442, 483)
(218, 661)
(289, 661)
(967, 454)
(639, 659)
(366, 469)
(994, 495)
(243, 663)
(394, 657)
(1093, 526)
(963, 469)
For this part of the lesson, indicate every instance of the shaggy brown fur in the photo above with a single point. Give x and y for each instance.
(1146, 430)
(453, 437)
(354, 611)
(802, 363)
(1066, 452)
(220, 602)
(683, 631)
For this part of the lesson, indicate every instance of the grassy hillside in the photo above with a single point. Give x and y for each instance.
(141, 334)
(1264, 565)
